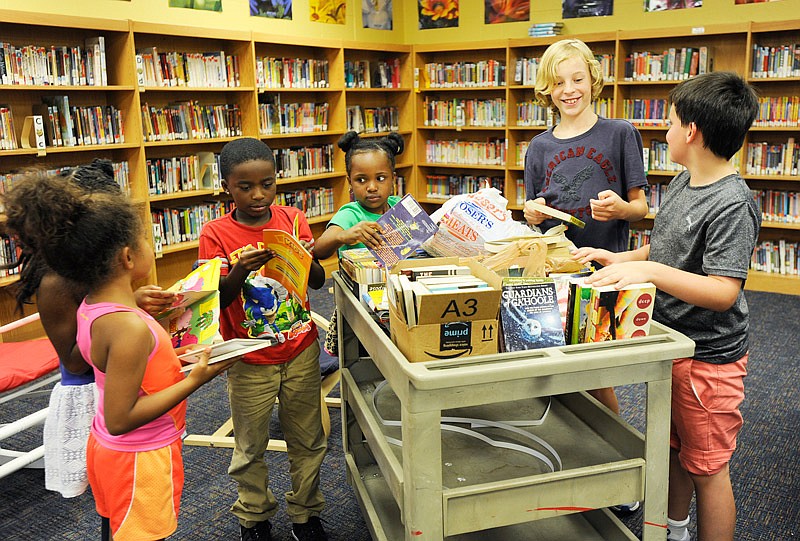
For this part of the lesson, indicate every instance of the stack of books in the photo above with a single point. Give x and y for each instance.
(545, 29)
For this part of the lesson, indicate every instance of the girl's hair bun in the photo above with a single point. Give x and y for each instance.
(395, 143)
(348, 141)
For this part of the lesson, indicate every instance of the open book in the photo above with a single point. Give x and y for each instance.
(193, 317)
(555, 213)
(222, 351)
(291, 266)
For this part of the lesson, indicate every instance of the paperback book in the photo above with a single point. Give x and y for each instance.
(222, 351)
(404, 228)
(529, 315)
(291, 265)
(193, 317)
(617, 314)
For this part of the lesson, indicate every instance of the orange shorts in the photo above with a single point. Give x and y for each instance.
(139, 492)
(705, 412)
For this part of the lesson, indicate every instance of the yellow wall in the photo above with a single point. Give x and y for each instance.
(628, 15)
(235, 15)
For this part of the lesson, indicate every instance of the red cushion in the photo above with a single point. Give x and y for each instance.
(23, 362)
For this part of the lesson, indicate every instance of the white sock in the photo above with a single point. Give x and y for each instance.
(677, 530)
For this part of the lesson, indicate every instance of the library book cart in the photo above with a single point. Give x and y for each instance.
(447, 450)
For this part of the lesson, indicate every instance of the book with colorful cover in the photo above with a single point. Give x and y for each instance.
(529, 315)
(292, 263)
(615, 314)
(404, 227)
(193, 317)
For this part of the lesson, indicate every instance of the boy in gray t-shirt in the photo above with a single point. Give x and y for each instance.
(698, 258)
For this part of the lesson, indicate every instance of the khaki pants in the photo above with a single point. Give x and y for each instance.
(252, 390)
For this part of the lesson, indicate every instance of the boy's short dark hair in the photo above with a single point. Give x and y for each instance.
(722, 105)
(243, 150)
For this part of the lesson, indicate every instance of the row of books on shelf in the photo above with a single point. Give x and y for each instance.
(656, 158)
(10, 253)
(522, 149)
(777, 257)
(306, 117)
(773, 158)
(8, 132)
(778, 111)
(379, 74)
(447, 186)
(491, 152)
(646, 112)
(373, 119)
(490, 112)
(121, 176)
(778, 205)
(300, 161)
(69, 126)
(654, 193)
(775, 61)
(273, 72)
(215, 69)
(183, 173)
(183, 224)
(56, 65)
(463, 74)
(312, 201)
(673, 64)
(526, 69)
(191, 120)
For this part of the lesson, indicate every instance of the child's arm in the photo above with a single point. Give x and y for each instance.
(606, 257)
(716, 293)
(153, 300)
(122, 343)
(249, 261)
(610, 206)
(335, 237)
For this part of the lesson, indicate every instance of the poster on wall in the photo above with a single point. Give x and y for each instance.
(377, 14)
(328, 11)
(752, 1)
(206, 5)
(572, 9)
(667, 5)
(274, 9)
(506, 11)
(437, 14)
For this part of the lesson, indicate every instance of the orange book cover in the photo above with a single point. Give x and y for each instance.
(291, 265)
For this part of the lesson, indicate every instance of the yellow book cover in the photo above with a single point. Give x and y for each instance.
(193, 317)
(291, 265)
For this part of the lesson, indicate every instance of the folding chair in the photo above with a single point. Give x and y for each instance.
(222, 436)
(25, 368)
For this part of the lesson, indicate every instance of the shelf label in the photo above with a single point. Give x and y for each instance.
(698, 30)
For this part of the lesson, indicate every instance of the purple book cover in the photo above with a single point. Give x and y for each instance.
(404, 227)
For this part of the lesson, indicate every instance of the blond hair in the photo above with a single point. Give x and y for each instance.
(555, 54)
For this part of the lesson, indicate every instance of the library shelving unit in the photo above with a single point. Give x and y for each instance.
(61, 36)
(776, 75)
(194, 95)
(378, 82)
(460, 117)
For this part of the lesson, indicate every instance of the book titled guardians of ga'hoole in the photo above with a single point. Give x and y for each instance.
(529, 314)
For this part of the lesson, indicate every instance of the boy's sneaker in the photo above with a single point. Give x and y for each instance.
(625, 509)
(309, 531)
(259, 532)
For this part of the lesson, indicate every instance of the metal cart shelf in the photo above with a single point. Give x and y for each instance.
(436, 486)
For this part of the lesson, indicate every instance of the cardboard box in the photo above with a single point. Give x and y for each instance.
(450, 325)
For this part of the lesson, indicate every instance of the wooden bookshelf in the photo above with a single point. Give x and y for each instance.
(730, 46)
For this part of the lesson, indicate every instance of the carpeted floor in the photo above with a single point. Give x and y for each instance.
(765, 468)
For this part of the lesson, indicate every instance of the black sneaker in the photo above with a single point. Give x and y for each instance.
(309, 531)
(259, 532)
(625, 509)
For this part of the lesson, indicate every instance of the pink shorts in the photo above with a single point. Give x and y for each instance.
(705, 412)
